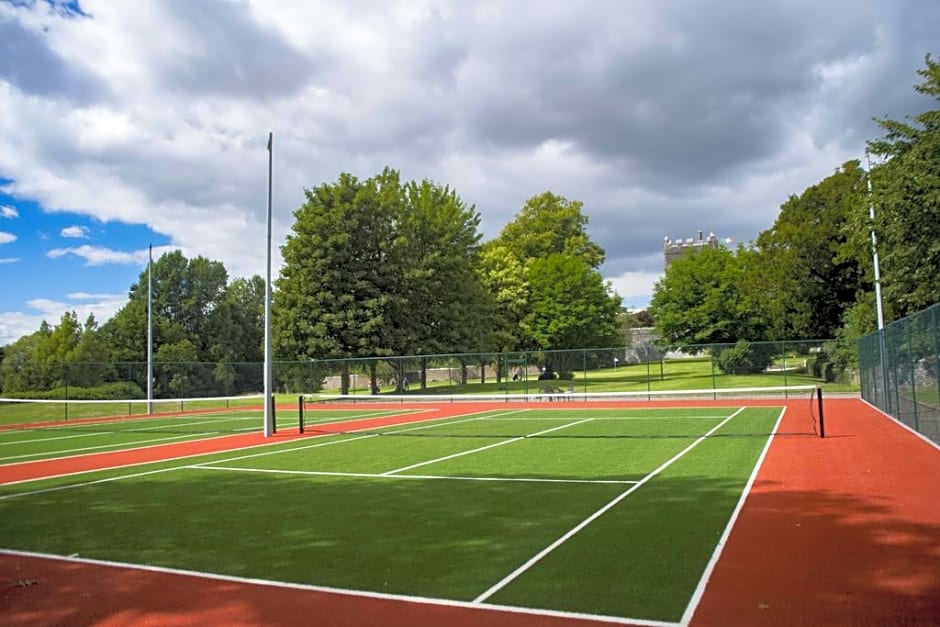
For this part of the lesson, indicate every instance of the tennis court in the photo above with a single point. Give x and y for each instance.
(596, 507)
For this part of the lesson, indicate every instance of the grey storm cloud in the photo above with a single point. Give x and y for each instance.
(664, 118)
(27, 62)
(223, 49)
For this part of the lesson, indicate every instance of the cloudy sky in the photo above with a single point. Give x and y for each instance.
(129, 123)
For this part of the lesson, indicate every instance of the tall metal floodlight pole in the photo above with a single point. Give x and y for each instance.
(268, 414)
(878, 305)
(874, 247)
(150, 332)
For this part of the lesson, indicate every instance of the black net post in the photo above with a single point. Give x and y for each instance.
(300, 412)
(822, 418)
(273, 414)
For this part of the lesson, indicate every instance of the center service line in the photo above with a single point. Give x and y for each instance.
(584, 523)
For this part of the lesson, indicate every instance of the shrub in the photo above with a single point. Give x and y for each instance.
(119, 390)
(744, 358)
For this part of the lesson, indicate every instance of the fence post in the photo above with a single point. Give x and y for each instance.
(936, 341)
(584, 368)
(910, 350)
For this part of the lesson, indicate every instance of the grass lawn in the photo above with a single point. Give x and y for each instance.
(676, 374)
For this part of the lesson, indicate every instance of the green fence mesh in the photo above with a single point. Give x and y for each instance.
(644, 364)
(898, 371)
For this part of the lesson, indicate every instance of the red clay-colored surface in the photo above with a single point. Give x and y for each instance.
(24, 471)
(840, 531)
(53, 592)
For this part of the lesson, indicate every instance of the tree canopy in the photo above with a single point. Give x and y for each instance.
(907, 198)
(382, 267)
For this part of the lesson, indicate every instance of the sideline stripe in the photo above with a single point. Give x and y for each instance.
(368, 475)
(59, 437)
(119, 431)
(361, 437)
(112, 446)
(617, 620)
(920, 435)
(179, 458)
(716, 554)
(584, 523)
(483, 448)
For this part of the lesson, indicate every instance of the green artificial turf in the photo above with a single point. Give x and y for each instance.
(254, 513)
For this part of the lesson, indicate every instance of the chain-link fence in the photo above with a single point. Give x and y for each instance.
(644, 365)
(899, 370)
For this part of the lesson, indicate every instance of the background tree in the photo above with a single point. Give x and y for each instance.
(198, 316)
(907, 196)
(547, 227)
(438, 236)
(804, 277)
(700, 299)
(503, 276)
(338, 292)
(570, 306)
(549, 224)
(380, 268)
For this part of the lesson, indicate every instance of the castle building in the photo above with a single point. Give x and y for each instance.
(675, 248)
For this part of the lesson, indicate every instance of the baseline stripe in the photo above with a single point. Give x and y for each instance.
(617, 620)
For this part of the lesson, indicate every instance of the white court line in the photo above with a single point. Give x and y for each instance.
(59, 437)
(371, 414)
(509, 609)
(706, 575)
(86, 483)
(369, 475)
(119, 446)
(361, 437)
(124, 422)
(584, 523)
(123, 419)
(616, 418)
(483, 448)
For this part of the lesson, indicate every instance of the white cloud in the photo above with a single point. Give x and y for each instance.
(75, 232)
(17, 324)
(9, 259)
(635, 288)
(99, 256)
(6, 238)
(663, 119)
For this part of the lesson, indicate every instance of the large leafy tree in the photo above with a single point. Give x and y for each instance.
(570, 305)
(503, 277)
(702, 300)
(547, 227)
(43, 360)
(549, 224)
(907, 196)
(378, 267)
(197, 317)
(438, 237)
(805, 273)
(338, 292)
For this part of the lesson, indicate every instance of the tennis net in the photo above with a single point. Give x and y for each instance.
(225, 414)
(669, 413)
